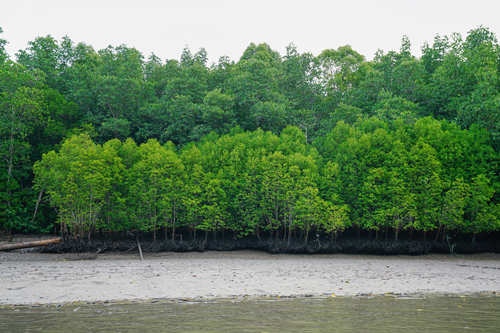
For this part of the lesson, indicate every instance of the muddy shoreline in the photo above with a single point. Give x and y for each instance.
(458, 244)
(40, 278)
(317, 246)
(246, 298)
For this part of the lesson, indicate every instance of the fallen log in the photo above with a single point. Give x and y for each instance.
(23, 245)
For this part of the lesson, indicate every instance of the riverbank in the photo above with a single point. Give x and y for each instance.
(460, 244)
(36, 278)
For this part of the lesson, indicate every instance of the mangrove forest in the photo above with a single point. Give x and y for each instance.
(294, 148)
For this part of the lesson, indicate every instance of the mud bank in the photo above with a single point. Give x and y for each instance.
(317, 246)
(33, 278)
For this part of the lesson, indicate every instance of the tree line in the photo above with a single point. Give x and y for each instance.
(428, 175)
(275, 145)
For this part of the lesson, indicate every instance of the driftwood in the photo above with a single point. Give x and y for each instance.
(139, 247)
(23, 245)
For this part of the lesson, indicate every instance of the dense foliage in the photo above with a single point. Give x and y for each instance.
(274, 145)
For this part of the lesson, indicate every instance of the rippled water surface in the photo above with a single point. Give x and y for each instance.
(378, 314)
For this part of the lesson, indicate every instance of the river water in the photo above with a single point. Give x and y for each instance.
(335, 314)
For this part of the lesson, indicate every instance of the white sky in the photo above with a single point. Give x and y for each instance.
(226, 27)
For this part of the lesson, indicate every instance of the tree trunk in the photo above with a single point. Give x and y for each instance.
(290, 220)
(10, 161)
(173, 226)
(36, 205)
(10, 165)
(22, 245)
(437, 234)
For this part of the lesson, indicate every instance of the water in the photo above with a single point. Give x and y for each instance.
(378, 314)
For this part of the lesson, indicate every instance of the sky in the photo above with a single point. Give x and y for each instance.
(225, 27)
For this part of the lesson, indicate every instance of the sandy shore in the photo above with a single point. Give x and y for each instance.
(42, 278)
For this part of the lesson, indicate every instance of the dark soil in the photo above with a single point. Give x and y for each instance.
(491, 243)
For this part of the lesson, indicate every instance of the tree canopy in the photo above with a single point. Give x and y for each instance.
(276, 145)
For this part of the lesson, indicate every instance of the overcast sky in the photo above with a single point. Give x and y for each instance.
(225, 27)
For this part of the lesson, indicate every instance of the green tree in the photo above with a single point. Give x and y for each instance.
(424, 171)
(77, 180)
(22, 108)
(482, 213)
(155, 187)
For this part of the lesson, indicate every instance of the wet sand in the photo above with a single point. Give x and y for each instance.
(32, 278)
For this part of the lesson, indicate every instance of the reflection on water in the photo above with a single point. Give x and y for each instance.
(378, 314)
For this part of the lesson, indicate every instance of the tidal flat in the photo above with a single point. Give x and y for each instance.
(35, 278)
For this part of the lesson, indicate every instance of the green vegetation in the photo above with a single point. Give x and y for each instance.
(281, 146)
